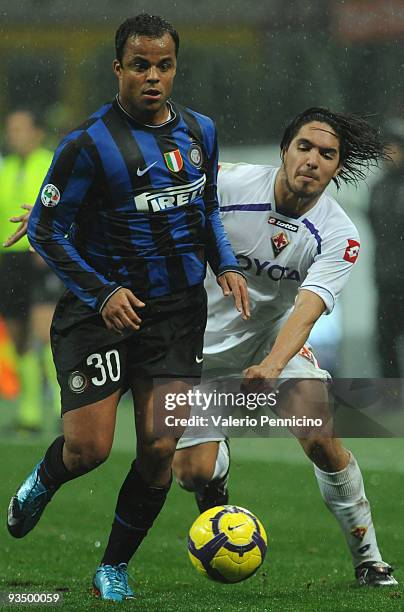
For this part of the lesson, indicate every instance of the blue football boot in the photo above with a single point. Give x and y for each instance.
(27, 505)
(111, 582)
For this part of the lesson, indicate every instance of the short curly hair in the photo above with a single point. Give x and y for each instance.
(361, 146)
(152, 26)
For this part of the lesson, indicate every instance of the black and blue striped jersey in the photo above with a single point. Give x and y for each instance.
(131, 205)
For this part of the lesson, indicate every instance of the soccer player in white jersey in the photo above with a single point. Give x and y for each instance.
(297, 248)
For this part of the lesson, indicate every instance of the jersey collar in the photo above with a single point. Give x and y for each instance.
(171, 121)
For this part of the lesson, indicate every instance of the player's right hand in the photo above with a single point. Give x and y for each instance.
(119, 311)
(235, 283)
(259, 379)
(22, 230)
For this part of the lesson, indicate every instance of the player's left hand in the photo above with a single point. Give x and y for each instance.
(232, 282)
(22, 229)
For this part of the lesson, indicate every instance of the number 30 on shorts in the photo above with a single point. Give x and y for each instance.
(108, 367)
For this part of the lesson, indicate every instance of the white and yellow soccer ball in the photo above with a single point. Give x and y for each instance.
(227, 543)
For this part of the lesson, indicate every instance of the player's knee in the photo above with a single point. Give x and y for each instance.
(85, 455)
(321, 451)
(313, 447)
(160, 450)
(191, 475)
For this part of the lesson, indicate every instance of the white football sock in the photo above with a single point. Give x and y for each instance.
(222, 461)
(344, 494)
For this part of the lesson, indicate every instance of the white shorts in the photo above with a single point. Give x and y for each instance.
(233, 361)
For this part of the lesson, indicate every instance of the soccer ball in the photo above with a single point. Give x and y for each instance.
(227, 543)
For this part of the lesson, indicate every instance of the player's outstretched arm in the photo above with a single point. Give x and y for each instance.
(22, 229)
(119, 311)
(291, 338)
(235, 283)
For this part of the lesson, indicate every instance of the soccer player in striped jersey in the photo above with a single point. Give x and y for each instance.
(128, 218)
(297, 248)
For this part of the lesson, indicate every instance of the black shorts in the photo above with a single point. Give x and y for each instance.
(93, 362)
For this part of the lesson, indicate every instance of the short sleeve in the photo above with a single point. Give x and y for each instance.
(332, 266)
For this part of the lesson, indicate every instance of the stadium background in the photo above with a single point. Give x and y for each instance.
(251, 66)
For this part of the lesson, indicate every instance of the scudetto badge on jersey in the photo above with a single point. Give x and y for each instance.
(279, 242)
(352, 251)
(195, 155)
(50, 195)
(174, 161)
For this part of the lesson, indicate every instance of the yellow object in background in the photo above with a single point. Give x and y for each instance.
(20, 181)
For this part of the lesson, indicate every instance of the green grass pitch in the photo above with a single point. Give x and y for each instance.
(307, 565)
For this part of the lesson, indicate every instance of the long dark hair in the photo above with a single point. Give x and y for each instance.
(361, 146)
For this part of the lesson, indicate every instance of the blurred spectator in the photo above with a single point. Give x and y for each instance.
(386, 215)
(21, 174)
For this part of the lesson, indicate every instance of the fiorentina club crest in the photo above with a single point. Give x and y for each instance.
(279, 242)
(359, 532)
(174, 161)
(307, 354)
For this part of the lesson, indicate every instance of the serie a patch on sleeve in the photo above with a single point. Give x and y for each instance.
(50, 195)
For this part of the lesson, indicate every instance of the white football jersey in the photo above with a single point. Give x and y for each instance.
(279, 254)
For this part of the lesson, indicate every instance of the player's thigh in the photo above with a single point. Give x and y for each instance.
(303, 394)
(89, 430)
(89, 375)
(306, 403)
(90, 364)
(150, 411)
(90, 360)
